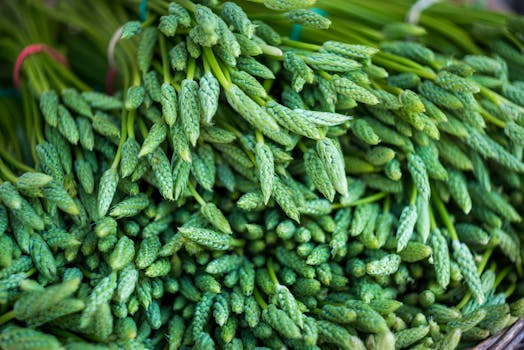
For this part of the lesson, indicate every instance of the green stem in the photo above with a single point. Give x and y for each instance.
(259, 100)
(131, 124)
(387, 204)
(123, 136)
(142, 127)
(300, 45)
(29, 272)
(302, 147)
(510, 290)
(259, 136)
(191, 67)
(271, 271)
(165, 61)
(8, 316)
(187, 4)
(464, 300)
(206, 66)
(7, 173)
(36, 120)
(413, 195)
(485, 260)
(209, 56)
(68, 75)
(195, 194)
(259, 299)
(14, 162)
(268, 84)
(501, 275)
(490, 118)
(496, 98)
(54, 79)
(34, 78)
(366, 200)
(432, 221)
(444, 215)
(423, 73)
(520, 270)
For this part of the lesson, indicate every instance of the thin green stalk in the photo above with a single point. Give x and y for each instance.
(259, 137)
(259, 100)
(14, 162)
(510, 290)
(123, 136)
(36, 120)
(432, 221)
(8, 316)
(387, 204)
(131, 124)
(300, 45)
(35, 80)
(69, 76)
(259, 299)
(165, 61)
(268, 84)
(206, 66)
(366, 200)
(7, 174)
(195, 194)
(380, 60)
(271, 271)
(29, 128)
(209, 56)
(301, 146)
(30, 272)
(490, 118)
(485, 259)
(501, 275)
(187, 4)
(142, 127)
(465, 299)
(413, 194)
(191, 67)
(444, 216)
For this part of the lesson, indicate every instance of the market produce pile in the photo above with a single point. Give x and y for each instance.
(264, 175)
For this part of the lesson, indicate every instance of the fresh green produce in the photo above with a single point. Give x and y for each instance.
(355, 187)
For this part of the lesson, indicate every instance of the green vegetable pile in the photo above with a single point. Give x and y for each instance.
(358, 185)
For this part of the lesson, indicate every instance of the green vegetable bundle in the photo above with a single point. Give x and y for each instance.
(358, 188)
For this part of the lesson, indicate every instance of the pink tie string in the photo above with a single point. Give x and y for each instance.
(31, 50)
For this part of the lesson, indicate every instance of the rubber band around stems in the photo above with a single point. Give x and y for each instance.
(31, 50)
(296, 30)
(142, 10)
(416, 10)
(112, 71)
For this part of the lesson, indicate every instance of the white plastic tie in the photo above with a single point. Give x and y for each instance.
(416, 10)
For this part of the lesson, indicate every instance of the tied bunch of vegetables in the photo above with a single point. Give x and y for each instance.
(357, 187)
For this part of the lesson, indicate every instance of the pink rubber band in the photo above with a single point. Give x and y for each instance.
(31, 50)
(110, 80)
(112, 72)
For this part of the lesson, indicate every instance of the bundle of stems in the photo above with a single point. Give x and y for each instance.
(265, 175)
